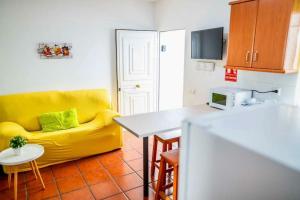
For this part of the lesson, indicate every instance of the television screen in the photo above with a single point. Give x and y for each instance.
(207, 44)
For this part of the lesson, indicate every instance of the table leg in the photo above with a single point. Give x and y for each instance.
(16, 184)
(38, 173)
(145, 166)
(32, 167)
(9, 178)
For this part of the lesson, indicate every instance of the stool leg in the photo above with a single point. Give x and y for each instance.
(38, 173)
(16, 184)
(154, 153)
(170, 147)
(32, 167)
(161, 178)
(175, 183)
(165, 147)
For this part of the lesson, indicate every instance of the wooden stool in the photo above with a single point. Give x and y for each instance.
(170, 158)
(167, 140)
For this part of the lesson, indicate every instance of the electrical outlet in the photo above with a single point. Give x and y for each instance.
(205, 66)
(279, 91)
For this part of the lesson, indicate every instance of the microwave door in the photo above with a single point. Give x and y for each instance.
(219, 99)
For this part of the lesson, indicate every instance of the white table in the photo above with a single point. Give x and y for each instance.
(145, 125)
(30, 152)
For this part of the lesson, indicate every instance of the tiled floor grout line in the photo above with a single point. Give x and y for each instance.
(113, 180)
(27, 196)
(137, 150)
(135, 171)
(124, 191)
(59, 193)
(88, 186)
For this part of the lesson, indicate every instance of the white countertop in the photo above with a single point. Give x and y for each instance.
(144, 125)
(269, 130)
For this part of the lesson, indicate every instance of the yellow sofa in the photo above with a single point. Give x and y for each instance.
(96, 134)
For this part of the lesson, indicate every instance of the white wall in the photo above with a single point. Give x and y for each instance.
(201, 14)
(88, 24)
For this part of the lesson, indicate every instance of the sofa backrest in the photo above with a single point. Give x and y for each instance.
(25, 109)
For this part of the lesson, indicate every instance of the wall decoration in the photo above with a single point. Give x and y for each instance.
(55, 50)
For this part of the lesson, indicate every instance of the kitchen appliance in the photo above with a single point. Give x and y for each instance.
(227, 98)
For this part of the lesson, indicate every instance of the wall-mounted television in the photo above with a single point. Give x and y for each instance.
(208, 44)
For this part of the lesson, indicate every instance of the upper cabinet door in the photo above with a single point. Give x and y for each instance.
(242, 33)
(272, 28)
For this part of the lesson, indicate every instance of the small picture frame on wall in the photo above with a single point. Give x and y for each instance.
(55, 50)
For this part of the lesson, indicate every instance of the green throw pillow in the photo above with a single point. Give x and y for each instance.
(55, 121)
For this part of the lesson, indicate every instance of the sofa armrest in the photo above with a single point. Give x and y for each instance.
(107, 116)
(9, 130)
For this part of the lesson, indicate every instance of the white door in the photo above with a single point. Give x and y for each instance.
(172, 52)
(137, 65)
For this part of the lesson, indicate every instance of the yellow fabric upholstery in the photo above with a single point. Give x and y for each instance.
(23, 109)
(97, 133)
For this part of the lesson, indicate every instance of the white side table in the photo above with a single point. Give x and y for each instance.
(30, 152)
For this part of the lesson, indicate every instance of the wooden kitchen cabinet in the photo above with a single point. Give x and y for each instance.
(242, 31)
(264, 35)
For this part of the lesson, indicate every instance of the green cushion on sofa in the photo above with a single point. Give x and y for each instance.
(55, 121)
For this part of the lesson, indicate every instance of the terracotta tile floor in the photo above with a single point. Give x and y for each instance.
(116, 175)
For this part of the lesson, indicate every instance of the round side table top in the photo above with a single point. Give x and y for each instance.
(29, 152)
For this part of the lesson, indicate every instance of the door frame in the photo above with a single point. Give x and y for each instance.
(158, 64)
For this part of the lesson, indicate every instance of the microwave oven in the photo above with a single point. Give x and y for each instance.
(226, 97)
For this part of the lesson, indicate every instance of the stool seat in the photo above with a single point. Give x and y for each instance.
(169, 135)
(167, 139)
(171, 157)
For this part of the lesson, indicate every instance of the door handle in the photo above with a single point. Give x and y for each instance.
(247, 56)
(255, 56)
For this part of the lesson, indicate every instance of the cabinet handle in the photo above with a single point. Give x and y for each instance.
(247, 56)
(255, 56)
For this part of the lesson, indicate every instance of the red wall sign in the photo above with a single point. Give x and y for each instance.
(231, 75)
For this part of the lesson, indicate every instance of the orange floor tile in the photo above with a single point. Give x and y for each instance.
(115, 175)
